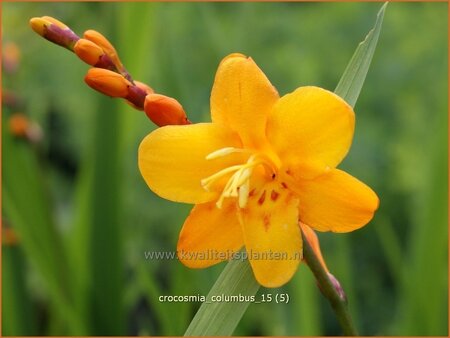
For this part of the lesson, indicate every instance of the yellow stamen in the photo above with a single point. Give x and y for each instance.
(206, 182)
(244, 190)
(224, 194)
(224, 152)
(238, 185)
(241, 179)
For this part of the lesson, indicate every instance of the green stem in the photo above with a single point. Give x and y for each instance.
(337, 301)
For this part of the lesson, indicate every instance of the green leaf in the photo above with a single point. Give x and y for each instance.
(99, 265)
(18, 315)
(221, 318)
(27, 207)
(354, 75)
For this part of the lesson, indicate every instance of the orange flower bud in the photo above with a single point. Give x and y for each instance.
(107, 47)
(88, 51)
(55, 22)
(107, 82)
(39, 25)
(19, 125)
(164, 110)
(54, 31)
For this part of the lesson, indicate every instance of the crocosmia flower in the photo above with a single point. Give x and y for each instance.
(261, 166)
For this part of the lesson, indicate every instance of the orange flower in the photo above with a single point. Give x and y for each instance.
(54, 31)
(260, 166)
(106, 46)
(88, 51)
(11, 57)
(164, 110)
(107, 82)
(19, 124)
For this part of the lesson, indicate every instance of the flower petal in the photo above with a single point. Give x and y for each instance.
(242, 98)
(209, 235)
(311, 129)
(172, 160)
(335, 201)
(272, 236)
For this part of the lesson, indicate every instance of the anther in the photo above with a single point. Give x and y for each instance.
(225, 151)
(219, 153)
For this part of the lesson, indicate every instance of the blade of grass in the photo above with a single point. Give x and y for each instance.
(354, 75)
(151, 292)
(27, 207)
(98, 232)
(304, 307)
(221, 318)
(424, 306)
(390, 245)
(18, 316)
(105, 238)
(349, 88)
(343, 264)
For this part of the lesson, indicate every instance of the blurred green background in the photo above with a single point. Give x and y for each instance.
(84, 216)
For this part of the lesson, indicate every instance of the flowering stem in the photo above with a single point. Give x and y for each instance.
(337, 301)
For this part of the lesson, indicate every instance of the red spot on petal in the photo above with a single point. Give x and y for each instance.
(274, 195)
(266, 222)
(262, 198)
(284, 185)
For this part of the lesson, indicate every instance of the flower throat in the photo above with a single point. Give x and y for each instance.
(238, 185)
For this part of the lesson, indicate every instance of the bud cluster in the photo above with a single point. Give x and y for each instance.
(109, 76)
